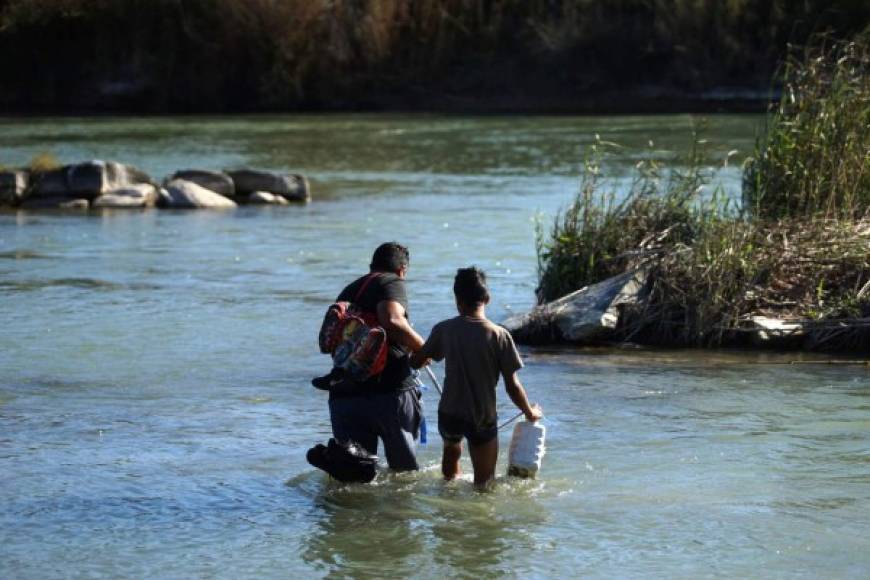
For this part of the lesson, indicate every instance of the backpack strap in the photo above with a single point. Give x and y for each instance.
(365, 285)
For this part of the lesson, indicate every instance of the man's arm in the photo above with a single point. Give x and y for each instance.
(517, 394)
(391, 316)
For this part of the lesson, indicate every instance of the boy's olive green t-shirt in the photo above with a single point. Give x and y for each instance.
(477, 352)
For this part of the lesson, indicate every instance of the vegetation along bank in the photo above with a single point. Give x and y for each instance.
(673, 263)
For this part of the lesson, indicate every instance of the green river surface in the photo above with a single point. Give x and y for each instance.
(155, 405)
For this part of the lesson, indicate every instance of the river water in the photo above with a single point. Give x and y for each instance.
(155, 405)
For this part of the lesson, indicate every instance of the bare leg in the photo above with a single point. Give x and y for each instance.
(450, 460)
(483, 459)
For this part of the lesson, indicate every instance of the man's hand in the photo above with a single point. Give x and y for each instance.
(419, 361)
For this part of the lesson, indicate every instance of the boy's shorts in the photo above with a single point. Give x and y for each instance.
(453, 429)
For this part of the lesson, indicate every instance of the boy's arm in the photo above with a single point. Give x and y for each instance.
(517, 394)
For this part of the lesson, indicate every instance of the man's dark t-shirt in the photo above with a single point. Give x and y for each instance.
(384, 286)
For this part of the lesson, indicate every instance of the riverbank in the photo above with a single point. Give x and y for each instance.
(540, 56)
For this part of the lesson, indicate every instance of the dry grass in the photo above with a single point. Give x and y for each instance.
(43, 162)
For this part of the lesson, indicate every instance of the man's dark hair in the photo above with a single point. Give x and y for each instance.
(390, 257)
(469, 286)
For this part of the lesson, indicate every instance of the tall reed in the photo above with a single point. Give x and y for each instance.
(814, 158)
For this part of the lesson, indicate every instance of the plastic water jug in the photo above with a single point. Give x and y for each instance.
(527, 449)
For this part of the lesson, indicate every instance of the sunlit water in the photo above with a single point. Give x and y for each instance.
(155, 405)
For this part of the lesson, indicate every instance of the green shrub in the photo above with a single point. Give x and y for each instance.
(601, 234)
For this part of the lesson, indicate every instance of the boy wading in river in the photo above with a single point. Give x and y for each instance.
(477, 352)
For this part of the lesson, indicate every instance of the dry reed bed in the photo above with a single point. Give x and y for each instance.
(816, 274)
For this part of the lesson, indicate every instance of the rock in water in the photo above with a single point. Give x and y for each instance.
(587, 315)
(134, 196)
(290, 187)
(266, 198)
(12, 186)
(183, 194)
(216, 181)
(86, 180)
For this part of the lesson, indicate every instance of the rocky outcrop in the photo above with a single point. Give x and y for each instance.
(289, 186)
(216, 181)
(181, 194)
(142, 195)
(588, 315)
(13, 184)
(109, 184)
(87, 180)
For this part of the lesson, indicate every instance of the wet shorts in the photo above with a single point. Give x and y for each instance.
(453, 429)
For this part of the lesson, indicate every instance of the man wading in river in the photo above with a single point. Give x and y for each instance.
(388, 404)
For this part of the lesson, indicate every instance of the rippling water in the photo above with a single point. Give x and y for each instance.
(155, 406)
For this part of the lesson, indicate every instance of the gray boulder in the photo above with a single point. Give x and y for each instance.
(290, 187)
(266, 198)
(183, 194)
(86, 180)
(216, 181)
(12, 186)
(588, 315)
(141, 195)
(48, 184)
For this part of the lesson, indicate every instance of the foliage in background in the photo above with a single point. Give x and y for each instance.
(201, 55)
(814, 158)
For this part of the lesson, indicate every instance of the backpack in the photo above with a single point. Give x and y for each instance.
(352, 336)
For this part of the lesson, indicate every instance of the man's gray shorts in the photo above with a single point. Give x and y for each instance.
(395, 417)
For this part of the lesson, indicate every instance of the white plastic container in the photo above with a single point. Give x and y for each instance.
(527, 449)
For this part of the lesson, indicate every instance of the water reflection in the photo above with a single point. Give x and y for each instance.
(416, 524)
(364, 529)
